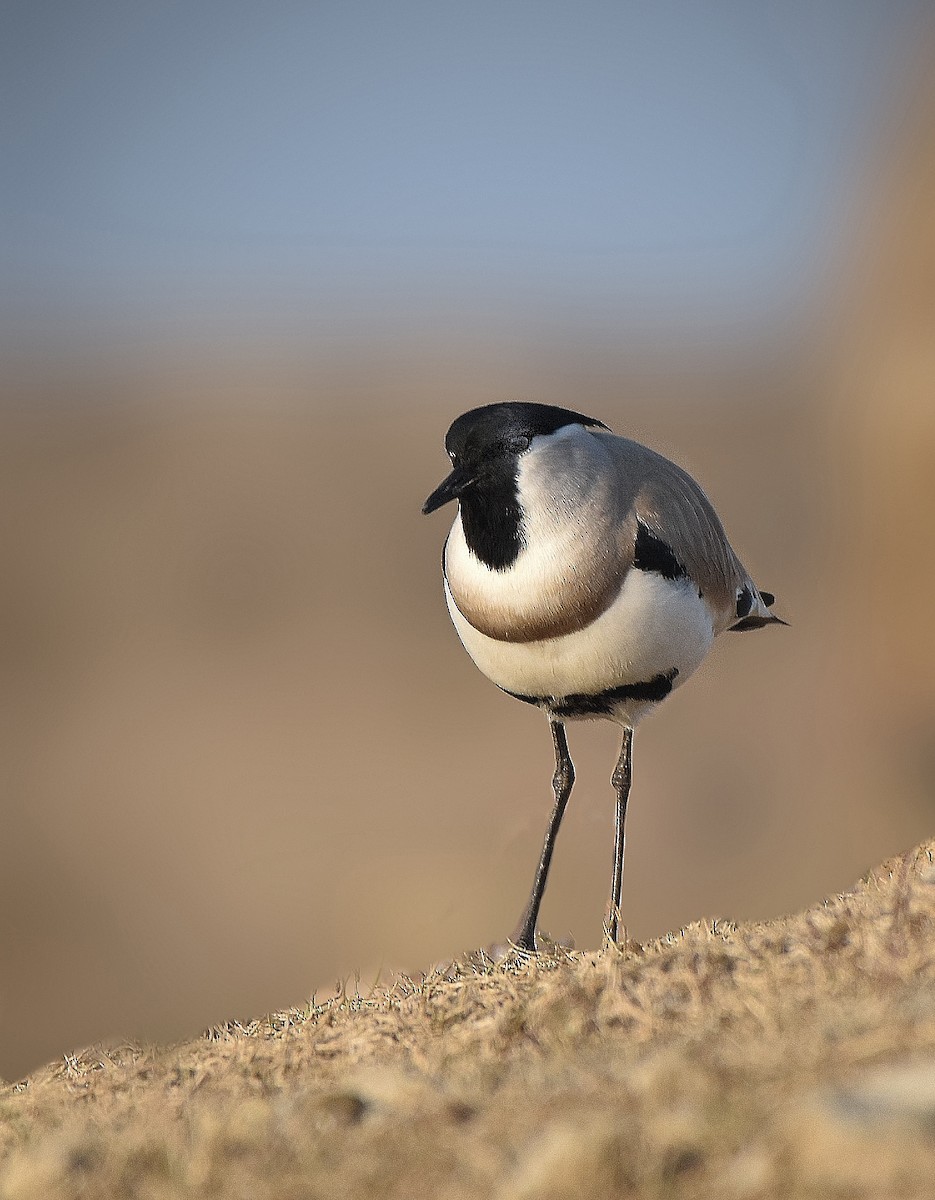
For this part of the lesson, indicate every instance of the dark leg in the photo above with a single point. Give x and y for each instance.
(562, 780)
(621, 781)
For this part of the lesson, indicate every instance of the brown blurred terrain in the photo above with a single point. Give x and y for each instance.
(882, 414)
(244, 752)
(789, 1058)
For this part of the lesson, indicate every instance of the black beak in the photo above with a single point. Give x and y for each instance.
(449, 489)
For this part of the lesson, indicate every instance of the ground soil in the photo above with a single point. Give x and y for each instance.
(794, 1057)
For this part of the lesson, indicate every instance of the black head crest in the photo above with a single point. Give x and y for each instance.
(508, 428)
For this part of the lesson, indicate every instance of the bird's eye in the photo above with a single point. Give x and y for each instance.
(452, 455)
(517, 445)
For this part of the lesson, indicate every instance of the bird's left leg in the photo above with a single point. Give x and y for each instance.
(621, 777)
(562, 781)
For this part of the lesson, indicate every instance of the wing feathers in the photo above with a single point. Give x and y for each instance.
(677, 512)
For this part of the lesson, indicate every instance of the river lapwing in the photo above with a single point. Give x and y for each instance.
(587, 575)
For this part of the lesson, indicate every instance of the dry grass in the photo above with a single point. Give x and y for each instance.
(789, 1058)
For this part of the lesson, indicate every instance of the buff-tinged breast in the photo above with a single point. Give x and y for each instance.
(578, 532)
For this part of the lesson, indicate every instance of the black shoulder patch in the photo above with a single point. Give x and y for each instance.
(652, 554)
(744, 601)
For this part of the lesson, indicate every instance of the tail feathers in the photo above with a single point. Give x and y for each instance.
(756, 614)
(756, 622)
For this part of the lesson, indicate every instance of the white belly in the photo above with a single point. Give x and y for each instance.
(653, 625)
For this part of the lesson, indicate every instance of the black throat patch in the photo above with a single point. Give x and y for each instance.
(484, 446)
(492, 518)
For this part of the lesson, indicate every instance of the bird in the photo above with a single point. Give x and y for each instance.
(586, 575)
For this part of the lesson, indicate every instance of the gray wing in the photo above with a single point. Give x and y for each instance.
(670, 504)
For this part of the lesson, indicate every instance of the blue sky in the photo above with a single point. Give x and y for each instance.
(186, 161)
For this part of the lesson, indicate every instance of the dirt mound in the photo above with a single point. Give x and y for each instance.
(792, 1057)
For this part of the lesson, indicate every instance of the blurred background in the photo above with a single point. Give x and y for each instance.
(253, 261)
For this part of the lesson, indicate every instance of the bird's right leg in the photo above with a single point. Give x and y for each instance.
(562, 781)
